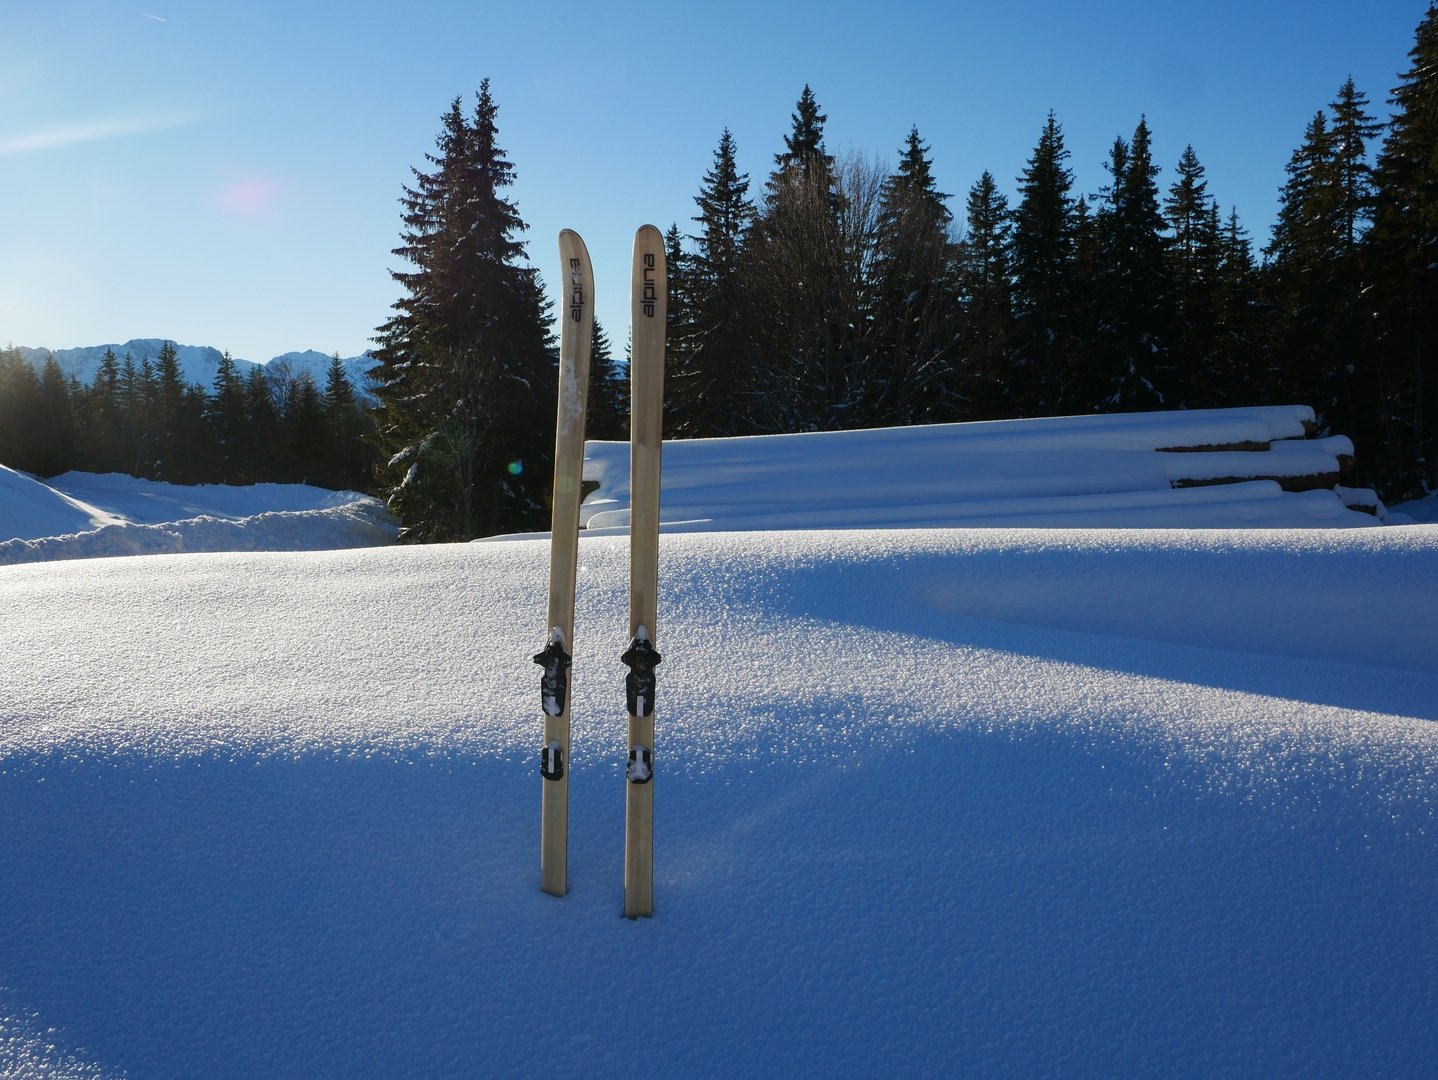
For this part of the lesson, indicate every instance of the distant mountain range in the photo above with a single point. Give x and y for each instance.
(198, 363)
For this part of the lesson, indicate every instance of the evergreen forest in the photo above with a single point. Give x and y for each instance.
(145, 420)
(836, 292)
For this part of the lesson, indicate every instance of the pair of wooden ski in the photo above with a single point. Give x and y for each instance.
(646, 381)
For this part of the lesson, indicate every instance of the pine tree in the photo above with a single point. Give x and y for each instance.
(1404, 274)
(1349, 378)
(1353, 130)
(262, 432)
(804, 145)
(193, 449)
(1316, 275)
(800, 274)
(1241, 347)
(21, 417)
(1202, 375)
(608, 390)
(55, 436)
(1043, 266)
(178, 442)
(305, 436)
(1187, 212)
(986, 298)
(139, 393)
(466, 365)
(678, 319)
(912, 371)
(349, 461)
(225, 417)
(1134, 296)
(105, 430)
(712, 359)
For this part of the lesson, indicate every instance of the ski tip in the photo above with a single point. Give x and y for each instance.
(571, 242)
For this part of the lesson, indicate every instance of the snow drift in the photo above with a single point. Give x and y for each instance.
(83, 515)
(929, 802)
(997, 801)
(1205, 468)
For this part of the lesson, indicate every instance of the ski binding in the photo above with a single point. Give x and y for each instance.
(642, 658)
(554, 683)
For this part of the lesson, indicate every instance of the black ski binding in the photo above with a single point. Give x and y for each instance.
(554, 683)
(551, 761)
(642, 658)
(640, 769)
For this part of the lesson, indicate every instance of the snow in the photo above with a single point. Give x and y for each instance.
(1061, 472)
(85, 515)
(34, 509)
(1420, 511)
(951, 801)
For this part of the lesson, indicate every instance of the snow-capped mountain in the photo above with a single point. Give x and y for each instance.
(198, 363)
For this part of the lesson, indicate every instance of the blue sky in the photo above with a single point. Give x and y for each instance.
(229, 174)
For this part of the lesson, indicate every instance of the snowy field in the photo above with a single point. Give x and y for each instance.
(939, 801)
(86, 516)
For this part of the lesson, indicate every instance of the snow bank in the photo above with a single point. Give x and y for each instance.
(29, 508)
(83, 515)
(928, 802)
(1056, 472)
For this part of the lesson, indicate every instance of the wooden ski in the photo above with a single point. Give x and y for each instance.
(646, 389)
(576, 336)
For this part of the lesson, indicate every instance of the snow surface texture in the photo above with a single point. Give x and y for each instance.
(932, 802)
(995, 801)
(1059, 472)
(84, 515)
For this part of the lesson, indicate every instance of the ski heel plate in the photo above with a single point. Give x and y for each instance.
(551, 761)
(640, 769)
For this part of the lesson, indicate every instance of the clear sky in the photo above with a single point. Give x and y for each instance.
(228, 174)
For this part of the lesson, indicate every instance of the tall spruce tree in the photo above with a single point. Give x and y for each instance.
(1187, 212)
(1240, 318)
(262, 426)
(985, 298)
(349, 458)
(799, 277)
(1404, 273)
(804, 145)
(305, 438)
(466, 366)
(175, 443)
(1132, 362)
(22, 414)
(912, 373)
(1348, 376)
(1200, 366)
(1043, 268)
(1315, 278)
(225, 416)
(1299, 254)
(608, 390)
(106, 418)
(712, 367)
